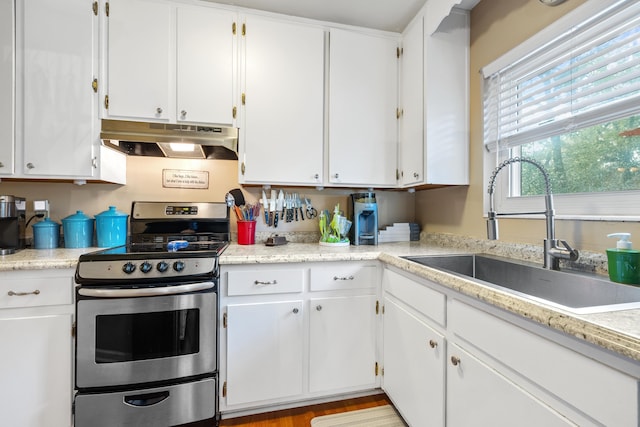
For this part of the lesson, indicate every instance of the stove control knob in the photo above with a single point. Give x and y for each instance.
(146, 267)
(178, 266)
(129, 268)
(162, 266)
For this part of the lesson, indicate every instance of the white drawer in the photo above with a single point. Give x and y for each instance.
(574, 378)
(18, 290)
(331, 277)
(427, 301)
(265, 281)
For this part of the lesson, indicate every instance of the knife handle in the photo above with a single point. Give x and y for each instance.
(266, 217)
(275, 219)
(301, 213)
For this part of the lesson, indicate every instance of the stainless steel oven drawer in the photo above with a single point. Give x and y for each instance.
(153, 407)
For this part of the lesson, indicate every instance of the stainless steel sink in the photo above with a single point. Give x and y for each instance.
(575, 292)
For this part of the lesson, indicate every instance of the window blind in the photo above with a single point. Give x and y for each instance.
(587, 75)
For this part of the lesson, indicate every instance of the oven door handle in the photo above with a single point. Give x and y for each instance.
(144, 292)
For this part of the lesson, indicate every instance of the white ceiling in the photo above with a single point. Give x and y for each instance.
(388, 15)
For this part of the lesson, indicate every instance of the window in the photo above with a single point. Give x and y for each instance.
(570, 99)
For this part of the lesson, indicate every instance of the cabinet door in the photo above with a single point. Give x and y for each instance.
(363, 102)
(139, 57)
(282, 119)
(412, 104)
(479, 395)
(56, 45)
(36, 371)
(264, 351)
(205, 65)
(7, 48)
(413, 367)
(342, 343)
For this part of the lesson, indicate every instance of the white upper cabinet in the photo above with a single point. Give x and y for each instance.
(411, 150)
(170, 62)
(363, 102)
(446, 93)
(281, 130)
(139, 58)
(56, 106)
(6, 86)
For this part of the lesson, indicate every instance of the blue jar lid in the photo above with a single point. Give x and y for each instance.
(112, 212)
(46, 223)
(78, 216)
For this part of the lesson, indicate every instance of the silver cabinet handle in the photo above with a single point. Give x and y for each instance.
(22, 294)
(455, 361)
(336, 176)
(318, 307)
(30, 165)
(343, 278)
(259, 282)
(433, 343)
(183, 114)
(416, 174)
(295, 311)
(159, 110)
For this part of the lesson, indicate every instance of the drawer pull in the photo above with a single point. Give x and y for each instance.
(259, 282)
(433, 343)
(22, 294)
(318, 308)
(455, 361)
(342, 278)
(295, 311)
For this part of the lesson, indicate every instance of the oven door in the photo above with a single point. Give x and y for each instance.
(133, 340)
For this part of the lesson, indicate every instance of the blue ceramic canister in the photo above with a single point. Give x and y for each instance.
(46, 234)
(77, 230)
(111, 228)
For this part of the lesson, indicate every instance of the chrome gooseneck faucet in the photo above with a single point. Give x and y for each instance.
(553, 252)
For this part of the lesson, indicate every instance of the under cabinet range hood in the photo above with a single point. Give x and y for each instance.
(183, 141)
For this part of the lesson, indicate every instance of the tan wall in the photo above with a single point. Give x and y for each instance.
(144, 182)
(496, 27)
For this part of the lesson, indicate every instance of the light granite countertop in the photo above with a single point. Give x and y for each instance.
(616, 331)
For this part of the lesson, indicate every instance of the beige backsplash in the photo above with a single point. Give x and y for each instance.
(144, 182)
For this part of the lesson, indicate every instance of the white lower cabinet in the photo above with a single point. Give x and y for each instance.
(294, 332)
(458, 364)
(413, 366)
(36, 361)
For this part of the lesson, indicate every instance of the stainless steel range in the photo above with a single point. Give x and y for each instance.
(146, 336)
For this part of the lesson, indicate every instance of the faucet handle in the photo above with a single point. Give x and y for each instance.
(573, 253)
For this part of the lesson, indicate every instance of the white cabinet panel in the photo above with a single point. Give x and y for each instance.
(281, 133)
(264, 351)
(342, 342)
(363, 102)
(7, 65)
(205, 54)
(57, 53)
(140, 53)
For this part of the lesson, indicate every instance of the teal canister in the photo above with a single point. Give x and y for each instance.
(623, 261)
(77, 230)
(111, 228)
(46, 234)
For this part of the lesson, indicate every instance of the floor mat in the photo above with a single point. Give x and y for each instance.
(380, 416)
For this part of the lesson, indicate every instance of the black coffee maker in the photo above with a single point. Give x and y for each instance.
(362, 210)
(12, 216)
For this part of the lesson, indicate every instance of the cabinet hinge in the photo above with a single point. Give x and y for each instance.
(399, 52)
(377, 307)
(234, 111)
(94, 162)
(376, 369)
(397, 175)
(244, 29)
(94, 85)
(233, 28)
(382, 372)
(106, 102)
(242, 168)
(399, 113)
(106, 9)
(224, 389)
(244, 99)
(73, 330)
(95, 8)
(224, 320)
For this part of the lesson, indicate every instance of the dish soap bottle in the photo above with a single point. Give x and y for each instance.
(624, 262)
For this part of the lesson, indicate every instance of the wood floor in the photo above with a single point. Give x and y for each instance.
(301, 417)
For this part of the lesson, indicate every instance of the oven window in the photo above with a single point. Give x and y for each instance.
(143, 336)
